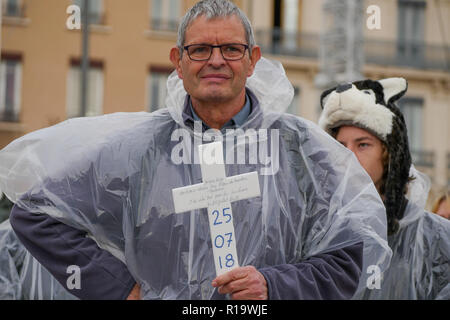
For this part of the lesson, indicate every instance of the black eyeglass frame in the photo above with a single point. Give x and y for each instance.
(246, 47)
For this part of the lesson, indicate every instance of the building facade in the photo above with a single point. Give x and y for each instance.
(129, 61)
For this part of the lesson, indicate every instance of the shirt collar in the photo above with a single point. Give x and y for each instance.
(189, 115)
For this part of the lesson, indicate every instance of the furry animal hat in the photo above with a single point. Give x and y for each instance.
(370, 105)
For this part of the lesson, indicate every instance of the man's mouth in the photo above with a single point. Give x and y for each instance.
(216, 77)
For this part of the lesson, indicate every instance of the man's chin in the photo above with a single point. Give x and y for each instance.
(216, 99)
(216, 96)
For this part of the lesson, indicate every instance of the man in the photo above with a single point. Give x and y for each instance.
(107, 206)
(364, 118)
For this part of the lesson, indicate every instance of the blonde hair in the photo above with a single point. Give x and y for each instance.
(445, 196)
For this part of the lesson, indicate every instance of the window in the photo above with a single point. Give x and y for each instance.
(294, 107)
(164, 14)
(285, 24)
(411, 28)
(276, 33)
(10, 88)
(95, 10)
(412, 109)
(158, 88)
(94, 95)
(12, 8)
(290, 23)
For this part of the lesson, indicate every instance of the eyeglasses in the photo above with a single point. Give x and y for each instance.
(230, 51)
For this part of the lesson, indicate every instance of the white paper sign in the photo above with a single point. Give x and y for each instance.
(216, 193)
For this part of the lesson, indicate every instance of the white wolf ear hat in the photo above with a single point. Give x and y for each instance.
(370, 105)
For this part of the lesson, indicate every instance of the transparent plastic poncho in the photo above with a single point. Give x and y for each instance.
(22, 277)
(420, 264)
(113, 176)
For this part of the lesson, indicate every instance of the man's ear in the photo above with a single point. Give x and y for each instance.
(256, 55)
(176, 60)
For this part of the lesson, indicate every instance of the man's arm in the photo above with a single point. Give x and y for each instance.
(57, 246)
(333, 275)
(330, 276)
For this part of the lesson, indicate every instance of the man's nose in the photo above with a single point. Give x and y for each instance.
(216, 57)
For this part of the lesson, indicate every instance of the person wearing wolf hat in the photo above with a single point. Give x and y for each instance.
(97, 192)
(363, 117)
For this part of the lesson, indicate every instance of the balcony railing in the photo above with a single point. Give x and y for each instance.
(407, 54)
(423, 158)
(9, 116)
(295, 44)
(164, 25)
(96, 18)
(392, 53)
(424, 161)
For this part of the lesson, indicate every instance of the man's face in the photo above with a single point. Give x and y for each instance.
(367, 148)
(215, 80)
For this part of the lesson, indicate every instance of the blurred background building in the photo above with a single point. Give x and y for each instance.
(319, 42)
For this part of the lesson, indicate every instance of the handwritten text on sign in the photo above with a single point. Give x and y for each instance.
(216, 193)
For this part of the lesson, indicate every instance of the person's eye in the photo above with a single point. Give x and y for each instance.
(199, 49)
(363, 145)
(232, 49)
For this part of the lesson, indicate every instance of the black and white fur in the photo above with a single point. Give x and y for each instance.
(370, 105)
(364, 103)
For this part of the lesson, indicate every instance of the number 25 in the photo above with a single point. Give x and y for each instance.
(227, 215)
